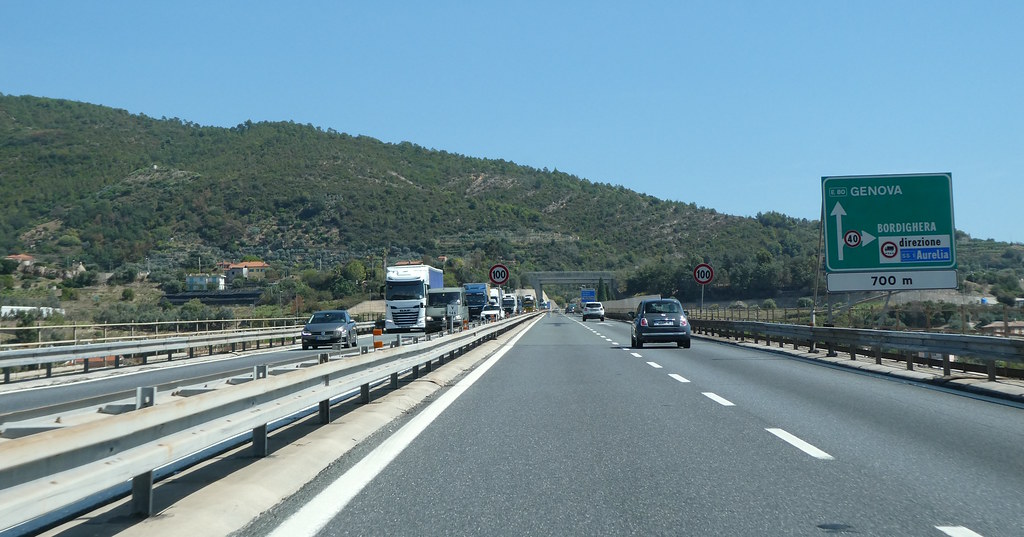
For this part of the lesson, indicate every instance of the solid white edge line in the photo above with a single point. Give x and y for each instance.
(680, 378)
(800, 444)
(957, 531)
(655, 365)
(718, 399)
(313, 516)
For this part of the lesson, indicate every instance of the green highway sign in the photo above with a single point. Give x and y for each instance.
(888, 223)
(889, 232)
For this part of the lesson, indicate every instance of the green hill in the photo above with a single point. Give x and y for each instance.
(92, 183)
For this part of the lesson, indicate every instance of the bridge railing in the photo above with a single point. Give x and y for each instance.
(44, 472)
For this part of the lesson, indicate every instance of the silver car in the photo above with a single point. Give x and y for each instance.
(329, 327)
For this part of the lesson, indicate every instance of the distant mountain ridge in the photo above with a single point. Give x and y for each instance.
(81, 181)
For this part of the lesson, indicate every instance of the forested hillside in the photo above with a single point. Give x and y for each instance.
(86, 182)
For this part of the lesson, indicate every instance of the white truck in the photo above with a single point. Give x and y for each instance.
(405, 296)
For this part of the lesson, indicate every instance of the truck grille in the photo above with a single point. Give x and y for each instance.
(405, 318)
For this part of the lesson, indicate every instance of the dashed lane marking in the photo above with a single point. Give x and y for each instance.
(957, 531)
(801, 445)
(718, 399)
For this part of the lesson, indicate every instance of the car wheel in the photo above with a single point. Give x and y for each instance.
(305, 346)
(602, 319)
(639, 343)
(686, 344)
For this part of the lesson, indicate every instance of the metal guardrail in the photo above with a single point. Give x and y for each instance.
(144, 347)
(47, 356)
(47, 471)
(109, 332)
(986, 349)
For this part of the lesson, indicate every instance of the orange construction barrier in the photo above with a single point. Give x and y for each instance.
(378, 343)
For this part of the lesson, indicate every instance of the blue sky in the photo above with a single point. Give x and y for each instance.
(737, 106)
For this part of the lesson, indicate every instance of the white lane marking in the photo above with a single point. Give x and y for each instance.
(718, 399)
(614, 343)
(325, 506)
(654, 365)
(636, 355)
(957, 531)
(800, 444)
(680, 378)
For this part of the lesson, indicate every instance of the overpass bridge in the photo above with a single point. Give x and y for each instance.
(537, 280)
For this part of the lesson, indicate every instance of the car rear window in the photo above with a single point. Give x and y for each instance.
(593, 305)
(662, 307)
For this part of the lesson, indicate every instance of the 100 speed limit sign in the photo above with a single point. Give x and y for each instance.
(499, 274)
(703, 273)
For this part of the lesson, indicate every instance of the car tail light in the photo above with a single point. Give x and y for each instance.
(643, 321)
(682, 321)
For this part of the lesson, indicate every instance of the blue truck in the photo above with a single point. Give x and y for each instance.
(477, 295)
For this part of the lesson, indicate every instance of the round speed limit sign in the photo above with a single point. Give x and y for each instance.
(703, 273)
(498, 274)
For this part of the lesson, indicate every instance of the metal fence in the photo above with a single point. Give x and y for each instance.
(936, 317)
(993, 355)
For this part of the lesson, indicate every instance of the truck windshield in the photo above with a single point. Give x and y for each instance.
(404, 291)
(442, 299)
(476, 299)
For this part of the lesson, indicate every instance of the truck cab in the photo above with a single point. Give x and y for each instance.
(446, 308)
(405, 296)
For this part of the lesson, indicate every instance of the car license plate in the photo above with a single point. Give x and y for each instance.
(662, 323)
(323, 338)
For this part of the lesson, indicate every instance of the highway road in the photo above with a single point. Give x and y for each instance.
(49, 398)
(570, 432)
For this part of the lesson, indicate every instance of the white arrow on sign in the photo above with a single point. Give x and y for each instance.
(866, 238)
(839, 213)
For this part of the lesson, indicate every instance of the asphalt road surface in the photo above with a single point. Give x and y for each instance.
(570, 432)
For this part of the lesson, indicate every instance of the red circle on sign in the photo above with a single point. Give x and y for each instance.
(889, 250)
(852, 238)
(498, 274)
(703, 273)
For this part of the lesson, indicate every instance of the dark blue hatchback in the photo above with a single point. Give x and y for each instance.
(660, 320)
